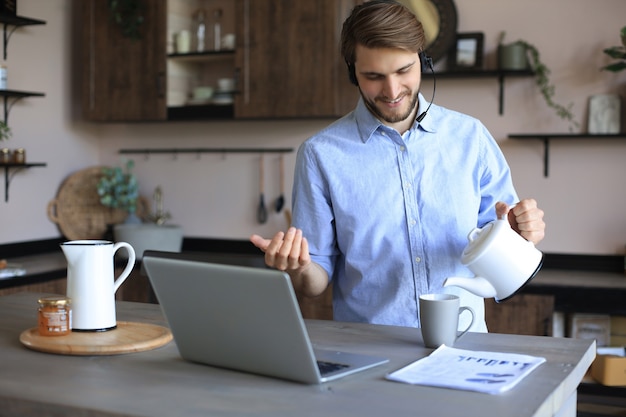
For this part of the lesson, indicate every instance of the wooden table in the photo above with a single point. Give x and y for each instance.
(160, 383)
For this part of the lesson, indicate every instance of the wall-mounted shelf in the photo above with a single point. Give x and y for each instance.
(12, 96)
(15, 22)
(499, 74)
(16, 167)
(546, 137)
(203, 56)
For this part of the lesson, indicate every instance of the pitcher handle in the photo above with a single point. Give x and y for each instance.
(129, 264)
(461, 310)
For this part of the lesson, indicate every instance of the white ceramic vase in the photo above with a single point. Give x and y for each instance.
(149, 236)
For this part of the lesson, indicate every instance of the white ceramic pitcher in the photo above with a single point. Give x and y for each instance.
(91, 284)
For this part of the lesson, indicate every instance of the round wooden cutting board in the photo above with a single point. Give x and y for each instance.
(126, 338)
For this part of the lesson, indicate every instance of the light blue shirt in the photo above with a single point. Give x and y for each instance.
(387, 216)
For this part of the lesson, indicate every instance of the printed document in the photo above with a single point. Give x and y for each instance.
(488, 372)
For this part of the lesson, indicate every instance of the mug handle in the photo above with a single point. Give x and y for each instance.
(461, 310)
(129, 264)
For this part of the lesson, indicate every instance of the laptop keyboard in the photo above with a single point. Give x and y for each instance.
(328, 367)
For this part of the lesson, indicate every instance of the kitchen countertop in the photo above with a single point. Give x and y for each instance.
(577, 278)
(51, 265)
(159, 383)
(40, 267)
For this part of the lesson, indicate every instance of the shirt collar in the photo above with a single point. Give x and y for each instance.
(368, 124)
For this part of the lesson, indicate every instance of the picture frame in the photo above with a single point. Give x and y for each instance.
(467, 53)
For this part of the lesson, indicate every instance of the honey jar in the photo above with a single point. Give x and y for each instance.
(55, 316)
(5, 156)
(19, 156)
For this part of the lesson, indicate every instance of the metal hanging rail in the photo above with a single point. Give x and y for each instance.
(177, 151)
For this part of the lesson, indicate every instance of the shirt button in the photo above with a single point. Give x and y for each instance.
(413, 222)
(402, 148)
(418, 259)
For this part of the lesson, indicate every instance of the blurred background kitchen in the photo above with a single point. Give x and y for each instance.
(217, 194)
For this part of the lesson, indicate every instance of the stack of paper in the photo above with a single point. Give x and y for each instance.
(489, 372)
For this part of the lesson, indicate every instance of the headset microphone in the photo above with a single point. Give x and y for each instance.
(427, 61)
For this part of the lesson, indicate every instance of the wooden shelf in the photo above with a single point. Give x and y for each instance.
(17, 167)
(201, 112)
(546, 137)
(12, 96)
(203, 56)
(15, 21)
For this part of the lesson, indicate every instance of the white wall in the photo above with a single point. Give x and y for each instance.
(216, 195)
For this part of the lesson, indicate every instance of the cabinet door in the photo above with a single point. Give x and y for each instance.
(288, 60)
(123, 78)
(528, 314)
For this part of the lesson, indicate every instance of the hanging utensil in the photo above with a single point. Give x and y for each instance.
(280, 201)
(261, 213)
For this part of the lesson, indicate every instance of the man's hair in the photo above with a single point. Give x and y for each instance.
(381, 24)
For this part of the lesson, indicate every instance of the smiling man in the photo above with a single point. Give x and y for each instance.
(384, 198)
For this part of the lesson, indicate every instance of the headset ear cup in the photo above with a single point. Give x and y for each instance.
(352, 75)
(426, 62)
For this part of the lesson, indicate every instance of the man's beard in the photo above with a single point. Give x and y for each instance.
(390, 118)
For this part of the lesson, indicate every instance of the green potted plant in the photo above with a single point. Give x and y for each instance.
(155, 234)
(5, 131)
(521, 55)
(119, 189)
(617, 52)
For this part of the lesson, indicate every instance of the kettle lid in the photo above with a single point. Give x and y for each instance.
(480, 239)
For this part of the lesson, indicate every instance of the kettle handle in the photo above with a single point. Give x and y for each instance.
(471, 236)
(130, 263)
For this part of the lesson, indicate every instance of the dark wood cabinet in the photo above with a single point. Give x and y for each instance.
(123, 79)
(286, 63)
(288, 60)
(528, 314)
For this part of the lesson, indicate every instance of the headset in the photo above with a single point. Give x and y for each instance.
(426, 62)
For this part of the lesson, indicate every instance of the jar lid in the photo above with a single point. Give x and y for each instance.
(54, 301)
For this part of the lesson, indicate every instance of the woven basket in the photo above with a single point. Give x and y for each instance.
(77, 209)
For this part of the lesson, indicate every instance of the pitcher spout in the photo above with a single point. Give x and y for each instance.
(477, 285)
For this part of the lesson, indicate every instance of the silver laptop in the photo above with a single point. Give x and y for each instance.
(242, 318)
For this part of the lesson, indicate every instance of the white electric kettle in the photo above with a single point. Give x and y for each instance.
(91, 284)
(502, 260)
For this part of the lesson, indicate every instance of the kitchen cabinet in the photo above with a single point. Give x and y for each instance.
(54, 286)
(122, 78)
(528, 314)
(288, 59)
(286, 62)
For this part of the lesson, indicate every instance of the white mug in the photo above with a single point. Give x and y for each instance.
(439, 318)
